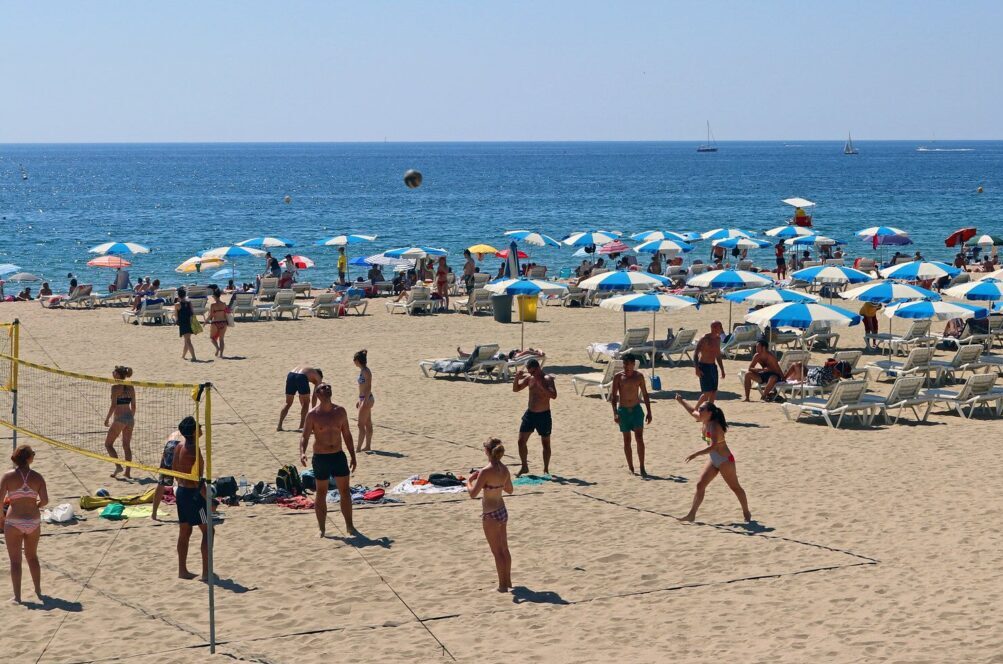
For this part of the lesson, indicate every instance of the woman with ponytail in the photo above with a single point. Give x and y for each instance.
(493, 479)
(121, 418)
(713, 427)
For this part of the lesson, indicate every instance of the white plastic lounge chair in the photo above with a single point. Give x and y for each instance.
(120, 298)
(267, 289)
(384, 287)
(481, 362)
(199, 306)
(846, 399)
(478, 300)
(302, 289)
(156, 312)
(995, 328)
(194, 292)
(743, 338)
(323, 305)
(354, 300)
(977, 391)
(966, 358)
(417, 299)
(634, 341)
(514, 365)
(918, 335)
(601, 380)
(818, 332)
(80, 298)
(974, 332)
(905, 393)
(571, 296)
(851, 357)
(787, 360)
(681, 346)
(868, 265)
(917, 362)
(168, 295)
(243, 305)
(481, 279)
(285, 302)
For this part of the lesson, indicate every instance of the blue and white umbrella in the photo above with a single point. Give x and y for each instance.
(984, 289)
(729, 279)
(801, 314)
(882, 231)
(523, 287)
(265, 242)
(342, 240)
(623, 280)
(925, 310)
(888, 291)
(232, 252)
(586, 238)
(832, 274)
(725, 233)
(653, 302)
(9, 268)
(360, 261)
(664, 247)
(742, 243)
(534, 238)
(414, 252)
(119, 248)
(649, 236)
(768, 296)
(788, 232)
(381, 259)
(226, 273)
(917, 270)
(811, 240)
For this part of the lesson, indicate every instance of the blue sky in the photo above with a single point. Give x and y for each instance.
(545, 70)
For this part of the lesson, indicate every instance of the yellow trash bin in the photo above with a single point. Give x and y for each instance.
(527, 308)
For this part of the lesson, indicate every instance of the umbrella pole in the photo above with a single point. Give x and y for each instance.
(653, 314)
(522, 334)
(625, 321)
(729, 313)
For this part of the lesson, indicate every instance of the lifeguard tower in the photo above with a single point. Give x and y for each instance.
(802, 211)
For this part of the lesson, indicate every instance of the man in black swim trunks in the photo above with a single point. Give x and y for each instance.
(166, 463)
(706, 359)
(542, 390)
(767, 374)
(298, 381)
(190, 497)
(328, 423)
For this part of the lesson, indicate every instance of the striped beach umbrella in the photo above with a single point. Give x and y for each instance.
(666, 246)
(769, 296)
(725, 233)
(881, 231)
(342, 240)
(232, 252)
(414, 252)
(586, 238)
(989, 240)
(228, 272)
(916, 270)
(119, 248)
(832, 274)
(925, 309)
(534, 238)
(650, 236)
(303, 263)
(265, 242)
(990, 289)
(645, 302)
(524, 287)
(801, 314)
(888, 291)
(788, 232)
(382, 259)
(197, 264)
(8, 268)
(623, 280)
(109, 261)
(614, 247)
(811, 240)
(729, 279)
(742, 243)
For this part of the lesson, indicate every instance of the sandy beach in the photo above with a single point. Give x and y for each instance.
(875, 544)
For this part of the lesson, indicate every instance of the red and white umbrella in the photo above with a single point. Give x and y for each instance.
(302, 262)
(614, 247)
(109, 261)
(504, 254)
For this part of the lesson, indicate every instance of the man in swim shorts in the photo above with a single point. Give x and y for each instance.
(298, 382)
(629, 389)
(167, 463)
(707, 358)
(764, 369)
(327, 422)
(190, 497)
(542, 390)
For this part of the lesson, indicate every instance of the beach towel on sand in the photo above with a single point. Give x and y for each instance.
(604, 349)
(530, 480)
(94, 502)
(409, 486)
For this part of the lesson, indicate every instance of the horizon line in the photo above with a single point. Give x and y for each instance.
(518, 141)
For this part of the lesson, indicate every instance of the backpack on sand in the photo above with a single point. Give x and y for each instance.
(288, 479)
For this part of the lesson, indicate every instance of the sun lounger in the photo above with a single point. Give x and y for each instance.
(478, 300)
(569, 297)
(818, 332)
(268, 288)
(787, 360)
(354, 300)
(324, 305)
(482, 362)
(601, 380)
(917, 362)
(417, 299)
(150, 312)
(302, 289)
(243, 306)
(918, 335)
(285, 302)
(845, 399)
(168, 295)
(681, 346)
(743, 338)
(851, 357)
(634, 341)
(199, 305)
(905, 393)
(966, 358)
(481, 279)
(81, 298)
(194, 292)
(974, 332)
(384, 287)
(122, 298)
(977, 391)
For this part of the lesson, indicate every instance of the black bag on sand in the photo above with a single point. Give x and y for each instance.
(226, 487)
(288, 479)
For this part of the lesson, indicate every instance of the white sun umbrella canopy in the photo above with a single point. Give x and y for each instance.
(801, 314)
(232, 252)
(653, 302)
(380, 259)
(344, 240)
(586, 238)
(650, 236)
(663, 247)
(725, 233)
(741, 243)
(534, 238)
(729, 279)
(989, 289)
(888, 291)
(265, 242)
(919, 270)
(119, 248)
(414, 252)
(623, 280)
(809, 240)
(832, 274)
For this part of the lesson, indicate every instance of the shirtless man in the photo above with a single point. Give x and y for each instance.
(298, 381)
(190, 497)
(468, 271)
(629, 389)
(767, 374)
(328, 423)
(542, 390)
(707, 359)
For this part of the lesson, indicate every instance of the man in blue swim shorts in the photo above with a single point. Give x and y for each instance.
(628, 391)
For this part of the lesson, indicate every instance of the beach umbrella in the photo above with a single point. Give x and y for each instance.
(587, 238)
(741, 243)
(504, 254)
(512, 261)
(888, 291)
(119, 248)
(303, 263)
(725, 233)
(228, 272)
(832, 274)
(666, 246)
(265, 242)
(614, 247)
(984, 289)
(109, 261)
(766, 297)
(415, 252)
(23, 276)
(919, 270)
(482, 249)
(359, 261)
(925, 309)
(801, 315)
(998, 275)
(523, 287)
(989, 241)
(652, 236)
(960, 236)
(232, 252)
(882, 235)
(729, 279)
(653, 302)
(534, 238)
(788, 232)
(623, 280)
(8, 268)
(811, 240)
(381, 259)
(342, 240)
(197, 263)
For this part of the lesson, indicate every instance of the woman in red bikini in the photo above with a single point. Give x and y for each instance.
(21, 522)
(442, 281)
(493, 479)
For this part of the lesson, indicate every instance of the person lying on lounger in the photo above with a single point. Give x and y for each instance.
(822, 376)
(514, 354)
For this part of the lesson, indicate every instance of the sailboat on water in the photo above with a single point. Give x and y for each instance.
(848, 148)
(710, 145)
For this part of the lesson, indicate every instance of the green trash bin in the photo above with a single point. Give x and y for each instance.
(502, 305)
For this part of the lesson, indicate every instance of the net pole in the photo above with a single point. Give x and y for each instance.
(13, 380)
(209, 525)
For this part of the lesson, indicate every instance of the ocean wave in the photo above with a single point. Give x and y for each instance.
(922, 149)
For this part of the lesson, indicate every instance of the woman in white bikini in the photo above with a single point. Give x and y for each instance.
(365, 402)
(21, 521)
(713, 427)
(493, 479)
(121, 418)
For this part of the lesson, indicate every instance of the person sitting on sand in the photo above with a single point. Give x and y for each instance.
(25, 295)
(328, 424)
(713, 427)
(493, 479)
(45, 291)
(190, 497)
(23, 494)
(764, 369)
(629, 390)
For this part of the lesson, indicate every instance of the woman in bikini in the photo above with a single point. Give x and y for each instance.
(713, 427)
(441, 282)
(493, 479)
(217, 321)
(365, 402)
(21, 521)
(121, 418)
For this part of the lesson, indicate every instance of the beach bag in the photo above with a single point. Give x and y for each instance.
(226, 487)
(375, 494)
(62, 513)
(288, 479)
(444, 479)
(230, 322)
(196, 325)
(113, 512)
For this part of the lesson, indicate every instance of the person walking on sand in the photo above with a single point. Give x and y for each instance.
(183, 314)
(542, 390)
(328, 424)
(123, 410)
(713, 426)
(298, 382)
(366, 401)
(707, 358)
(493, 479)
(22, 496)
(217, 315)
(190, 497)
(628, 391)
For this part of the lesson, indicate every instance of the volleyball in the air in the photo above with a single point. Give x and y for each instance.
(412, 179)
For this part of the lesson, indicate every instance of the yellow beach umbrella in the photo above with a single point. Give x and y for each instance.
(481, 250)
(197, 264)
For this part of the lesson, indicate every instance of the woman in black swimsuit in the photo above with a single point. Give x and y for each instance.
(123, 410)
(493, 479)
(183, 314)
